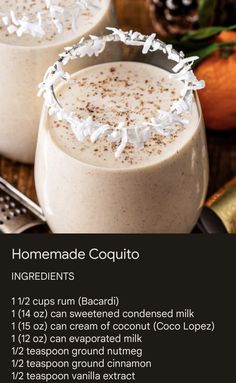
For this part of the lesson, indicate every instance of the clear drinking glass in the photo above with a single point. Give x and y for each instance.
(158, 188)
(25, 59)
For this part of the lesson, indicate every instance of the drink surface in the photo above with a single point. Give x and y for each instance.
(85, 20)
(116, 92)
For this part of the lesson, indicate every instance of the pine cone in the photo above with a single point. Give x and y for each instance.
(173, 17)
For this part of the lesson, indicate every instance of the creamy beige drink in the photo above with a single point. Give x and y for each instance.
(25, 58)
(84, 188)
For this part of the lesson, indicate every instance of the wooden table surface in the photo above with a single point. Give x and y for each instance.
(132, 14)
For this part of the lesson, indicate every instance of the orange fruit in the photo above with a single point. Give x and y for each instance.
(218, 98)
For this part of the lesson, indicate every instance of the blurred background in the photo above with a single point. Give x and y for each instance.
(203, 27)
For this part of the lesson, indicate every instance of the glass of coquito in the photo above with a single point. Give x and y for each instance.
(32, 34)
(122, 145)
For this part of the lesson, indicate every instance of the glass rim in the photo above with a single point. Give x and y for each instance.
(24, 24)
(121, 133)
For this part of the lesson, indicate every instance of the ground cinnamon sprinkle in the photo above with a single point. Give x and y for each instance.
(110, 97)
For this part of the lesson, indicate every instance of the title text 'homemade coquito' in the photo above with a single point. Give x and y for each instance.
(82, 187)
(25, 59)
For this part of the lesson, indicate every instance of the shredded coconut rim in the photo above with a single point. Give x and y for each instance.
(164, 122)
(35, 26)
